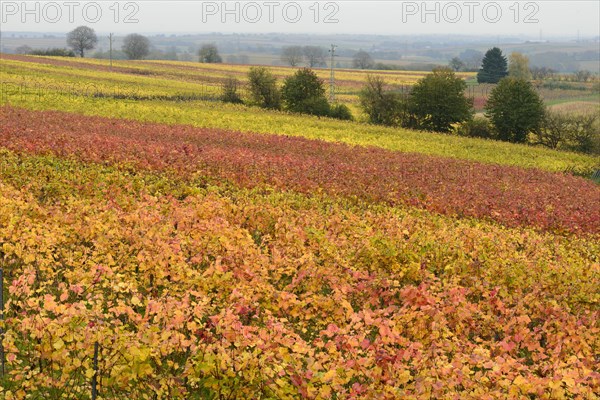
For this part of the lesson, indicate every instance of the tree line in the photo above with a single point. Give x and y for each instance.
(514, 111)
(136, 47)
(84, 38)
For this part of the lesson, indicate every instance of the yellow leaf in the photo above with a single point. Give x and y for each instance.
(329, 375)
(58, 344)
(325, 392)
(570, 382)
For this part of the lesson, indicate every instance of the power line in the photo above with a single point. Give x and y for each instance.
(110, 39)
(332, 77)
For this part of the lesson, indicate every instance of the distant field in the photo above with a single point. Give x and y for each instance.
(209, 76)
(192, 80)
(577, 107)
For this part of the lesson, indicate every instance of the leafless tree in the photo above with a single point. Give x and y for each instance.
(362, 60)
(136, 46)
(82, 38)
(292, 55)
(314, 55)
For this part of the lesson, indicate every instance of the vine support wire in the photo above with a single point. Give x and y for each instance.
(1, 320)
(95, 376)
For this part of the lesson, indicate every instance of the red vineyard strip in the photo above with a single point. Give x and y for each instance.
(509, 195)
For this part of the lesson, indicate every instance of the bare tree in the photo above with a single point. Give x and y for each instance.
(472, 59)
(582, 76)
(136, 46)
(82, 38)
(569, 131)
(540, 73)
(362, 60)
(315, 56)
(292, 55)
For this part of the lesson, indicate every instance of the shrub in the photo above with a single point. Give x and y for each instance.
(555, 85)
(553, 130)
(382, 106)
(570, 132)
(315, 106)
(263, 88)
(304, 93)
(478, 127)
(584, 134)
(56, 52)
(229, 91)
(341, 111)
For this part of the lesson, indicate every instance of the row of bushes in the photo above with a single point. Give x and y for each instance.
(55, 52)
(435, 103)
(514, 112)
(303, 92)
(560, 131)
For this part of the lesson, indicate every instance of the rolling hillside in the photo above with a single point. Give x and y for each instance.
(164, 245)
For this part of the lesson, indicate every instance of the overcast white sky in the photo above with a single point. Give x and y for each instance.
(393, 17)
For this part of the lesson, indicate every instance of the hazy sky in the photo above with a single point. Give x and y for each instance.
(393, 17)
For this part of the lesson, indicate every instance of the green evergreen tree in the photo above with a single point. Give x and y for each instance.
(493, 68)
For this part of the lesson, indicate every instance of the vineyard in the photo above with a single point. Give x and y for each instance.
(152, 99)
(155, 247)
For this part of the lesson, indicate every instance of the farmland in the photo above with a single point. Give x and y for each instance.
(180, 75)
(172, 247)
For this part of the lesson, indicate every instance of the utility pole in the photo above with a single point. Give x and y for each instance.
(332, 76)
(110, 40)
